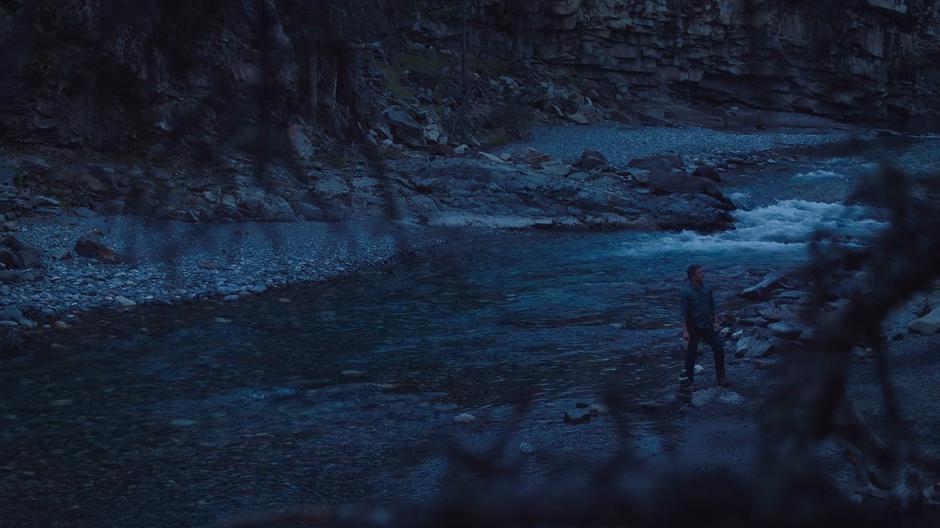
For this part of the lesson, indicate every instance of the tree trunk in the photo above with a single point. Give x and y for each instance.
(313, 84)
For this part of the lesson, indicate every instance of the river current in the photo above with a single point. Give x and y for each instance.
(329, 392)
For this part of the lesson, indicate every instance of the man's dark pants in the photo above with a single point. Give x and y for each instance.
(714, 341)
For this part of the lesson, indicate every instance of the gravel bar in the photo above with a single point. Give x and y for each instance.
(619, 144)
(168, 261)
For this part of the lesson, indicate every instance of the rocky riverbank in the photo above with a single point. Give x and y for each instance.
(130, 261)
(98, 240)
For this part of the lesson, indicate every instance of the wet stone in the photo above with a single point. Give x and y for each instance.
(464, 418)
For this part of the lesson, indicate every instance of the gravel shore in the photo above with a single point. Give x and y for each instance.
(620, 144)
(167, 261)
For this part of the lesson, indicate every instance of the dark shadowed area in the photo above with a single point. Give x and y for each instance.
(370, 263)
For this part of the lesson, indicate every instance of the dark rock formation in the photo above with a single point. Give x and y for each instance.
(867, 59)
(16, 254)
(91, 246)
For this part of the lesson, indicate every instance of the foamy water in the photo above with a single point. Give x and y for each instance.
(786, 225)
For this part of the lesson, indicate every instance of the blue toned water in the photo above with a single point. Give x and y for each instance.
(181, 415)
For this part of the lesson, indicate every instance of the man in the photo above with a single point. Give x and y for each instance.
(700, 322)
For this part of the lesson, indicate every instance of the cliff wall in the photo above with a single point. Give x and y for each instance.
(161, 77)
(851, 58)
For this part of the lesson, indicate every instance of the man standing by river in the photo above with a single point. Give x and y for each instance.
(700, 322)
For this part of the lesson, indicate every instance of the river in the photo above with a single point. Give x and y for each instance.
(346, 390)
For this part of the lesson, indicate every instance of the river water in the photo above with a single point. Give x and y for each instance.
(346, 390)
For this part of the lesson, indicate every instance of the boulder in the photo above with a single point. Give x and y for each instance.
(730, 398)
(404, 127)
(435, 134)
(761, 348)
(786, 329)
(743, 346)
(762, 290)
(579, 118)
(276, 209)
(124, 302)
(91, 246)
(530, 156)
(299, 141)
(676, 181)
(928, 324)
(702, 397)
(707, 171)
(591, 159)
(16, 254)
(777, 314)
(309, 212)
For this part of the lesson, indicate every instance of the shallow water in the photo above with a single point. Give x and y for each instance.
(192, 413)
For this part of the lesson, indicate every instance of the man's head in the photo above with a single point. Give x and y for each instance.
(695, 273)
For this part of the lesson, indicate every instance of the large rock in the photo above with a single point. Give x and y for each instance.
(299, 141)
(91, 246)
(276, 209)
(16, 254)
(404, 127)
(786, 329)
(762, 290)
(928, 324)
(530, 156)
(707, 171)
(590, 160)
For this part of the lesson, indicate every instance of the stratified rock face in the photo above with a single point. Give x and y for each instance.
(862, 58)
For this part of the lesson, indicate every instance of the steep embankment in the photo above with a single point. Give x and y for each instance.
(859, 59)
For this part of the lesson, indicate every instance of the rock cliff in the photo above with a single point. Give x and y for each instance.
(853, 58)
(165, 76)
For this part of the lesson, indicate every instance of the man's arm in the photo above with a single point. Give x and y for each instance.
(711, 305)
(684, 314)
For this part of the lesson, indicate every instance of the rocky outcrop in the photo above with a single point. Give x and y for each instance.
(870, 58)
(527, 190)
